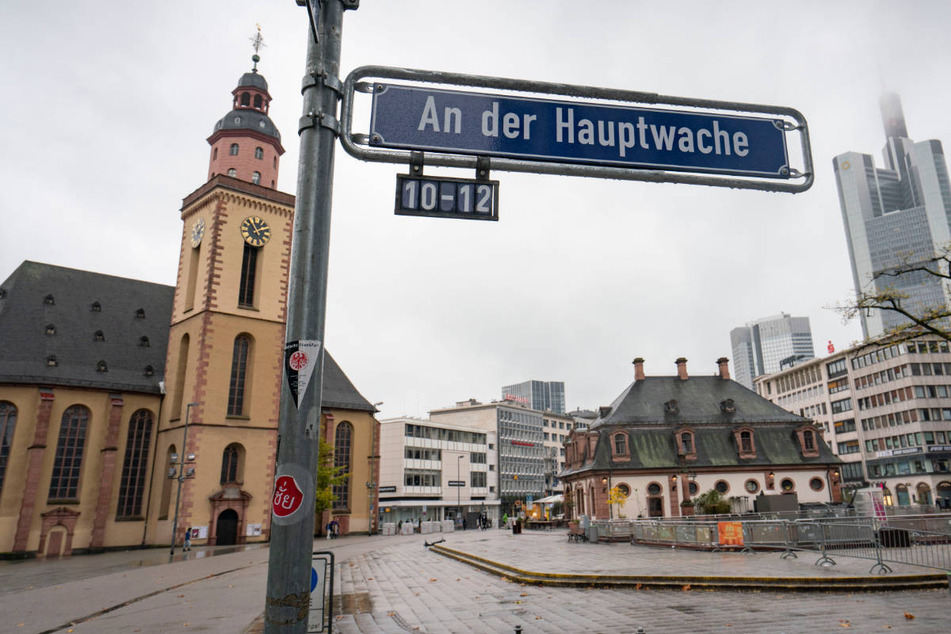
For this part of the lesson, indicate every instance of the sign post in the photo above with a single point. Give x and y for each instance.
(292, 520)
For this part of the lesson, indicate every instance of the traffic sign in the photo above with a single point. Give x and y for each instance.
(497, 125)
(457, 483)
(447, 197)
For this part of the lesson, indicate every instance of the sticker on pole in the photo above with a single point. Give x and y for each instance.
(287, 496)
(300, 359)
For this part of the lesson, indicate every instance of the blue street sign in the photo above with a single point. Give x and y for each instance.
(457, 122)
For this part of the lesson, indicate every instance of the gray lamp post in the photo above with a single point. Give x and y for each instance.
(181, 475)
(458, 488)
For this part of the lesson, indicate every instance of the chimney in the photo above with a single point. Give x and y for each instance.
(723, 365)
(682, 368)
(639, 369)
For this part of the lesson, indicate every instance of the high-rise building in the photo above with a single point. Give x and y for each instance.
(544, 396)
(896, 215)
(767, 345)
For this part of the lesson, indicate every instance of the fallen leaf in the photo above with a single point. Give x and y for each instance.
(637, 587)
(686, 587)
(909, 616)
(524, 594)
(369, 578)
(844, 624)
(181, 596)
(20, 624)
(538, 618)
(433, 579)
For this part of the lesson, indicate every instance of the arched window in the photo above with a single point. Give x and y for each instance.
(342, 452)
(245, 99)
(8, 422)
(231, 464)
(67, 464)
(233, 173)
(132, 483)
(686, 443)
(259, 153)
(249, 273)
(746, 441)
(181, 368)
(233, 150)
(258, 101)
(240, 358)
(620, 444)
(214, 154)
(256, 178)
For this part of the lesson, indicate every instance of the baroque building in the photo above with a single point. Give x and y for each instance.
(110, 388)
(667, 439)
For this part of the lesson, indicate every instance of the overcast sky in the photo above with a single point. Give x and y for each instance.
(108, 104)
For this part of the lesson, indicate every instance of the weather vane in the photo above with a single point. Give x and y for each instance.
(258, 43)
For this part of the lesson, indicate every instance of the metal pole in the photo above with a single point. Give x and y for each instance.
(287, 603)
(458, 488)
(181, 477)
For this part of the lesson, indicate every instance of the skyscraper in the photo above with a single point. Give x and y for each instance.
(544, 396)
(768, 345)
(896, 215)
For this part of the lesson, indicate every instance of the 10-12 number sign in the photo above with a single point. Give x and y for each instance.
(447, 197)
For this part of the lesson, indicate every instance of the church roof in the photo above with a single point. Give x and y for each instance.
(61, 326)
(339, 392)
(248, 120)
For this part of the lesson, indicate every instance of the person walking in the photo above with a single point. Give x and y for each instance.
(188, 539)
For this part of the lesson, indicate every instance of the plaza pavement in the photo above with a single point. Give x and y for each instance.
(397, 584)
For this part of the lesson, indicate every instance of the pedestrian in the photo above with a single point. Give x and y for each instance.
(399, 527)
(188, 539)
(330, 529)
(505, 520)
(334, 528)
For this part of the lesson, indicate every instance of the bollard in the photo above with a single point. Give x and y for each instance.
(640, 630)
(518, 629)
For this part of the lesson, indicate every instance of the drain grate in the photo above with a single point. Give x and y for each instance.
(353, 603)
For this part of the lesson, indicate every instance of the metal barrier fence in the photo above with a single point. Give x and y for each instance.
(922, 540)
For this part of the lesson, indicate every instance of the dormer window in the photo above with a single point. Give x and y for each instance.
(149, 371)
(144, 342)
(808, 442)
(95, 307)
(48, 300)
(728, 406)
(51, 361)
(50, 330)
(3, 293)
(671, 407)
(102, 367)
(140, 313)
(745, 443)
(99, 336)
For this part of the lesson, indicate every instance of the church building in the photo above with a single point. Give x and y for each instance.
(111, 388)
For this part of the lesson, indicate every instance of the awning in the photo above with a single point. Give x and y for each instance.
(551, 499)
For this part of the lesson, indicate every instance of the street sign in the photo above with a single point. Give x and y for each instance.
(515, 125)
(457, 483)
(447, 197)
(320, 615)
(451, 121)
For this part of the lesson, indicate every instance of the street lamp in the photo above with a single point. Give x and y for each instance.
(371, 515)
(186, 458)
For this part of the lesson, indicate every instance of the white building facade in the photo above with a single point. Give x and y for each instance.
(886, 412)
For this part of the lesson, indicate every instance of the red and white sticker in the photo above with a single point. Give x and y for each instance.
(288, 497)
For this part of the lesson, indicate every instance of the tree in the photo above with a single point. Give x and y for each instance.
(618, 496)
(920, 320)
(711, 503)
(328, 476)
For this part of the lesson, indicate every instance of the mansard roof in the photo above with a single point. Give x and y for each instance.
(700, 400)
(66, 327)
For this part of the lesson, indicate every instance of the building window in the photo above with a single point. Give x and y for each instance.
(233, 173)
(342, 453)
(8, 423)
(99, 336)
(816, 484)
(745, 443)
(256, 178)
(478, 479)
(258, 153)
(143, 342)
(231, 464)
(245, 99)
(233, 150)
(50, 330)
(214, 154)
(722, 487)
(258, 101)
(132, 482)
(249, 270)
(68, 460)
(620, 444)
(787, 485)
(239, 374)
(686, 446)
(624, 489)
(171, 472)
(752, 486)
(653, 489)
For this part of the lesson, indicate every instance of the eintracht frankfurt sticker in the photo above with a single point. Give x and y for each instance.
(300, 359)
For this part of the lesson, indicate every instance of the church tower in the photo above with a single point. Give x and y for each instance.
(224, 360)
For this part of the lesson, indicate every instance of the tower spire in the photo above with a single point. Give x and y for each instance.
(257, 43)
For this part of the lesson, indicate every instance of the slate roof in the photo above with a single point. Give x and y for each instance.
(640, 411)
(25, 346)
(25, 315)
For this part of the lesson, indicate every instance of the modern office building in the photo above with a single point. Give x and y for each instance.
(543, 396)
(896, 215)
(767, 345)
(436, 471)
(529, 452)
(886, 412)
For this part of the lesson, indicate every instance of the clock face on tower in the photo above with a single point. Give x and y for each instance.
(198, 232)
(255, 231)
